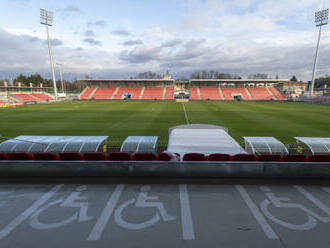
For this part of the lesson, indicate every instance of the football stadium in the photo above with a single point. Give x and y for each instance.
(185, 159)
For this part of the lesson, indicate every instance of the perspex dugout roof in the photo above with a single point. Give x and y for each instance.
(264, 145)
(54, 144)
(139, 144)
(316, 145)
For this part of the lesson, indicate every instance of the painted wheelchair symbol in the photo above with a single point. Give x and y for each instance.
(143, 201)
(74, 200)
(282, 202)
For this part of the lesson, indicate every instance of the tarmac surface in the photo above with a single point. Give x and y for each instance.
(107, 212)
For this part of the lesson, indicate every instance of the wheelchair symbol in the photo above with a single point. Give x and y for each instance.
(74, 200)
(282, 202)
(143, 201)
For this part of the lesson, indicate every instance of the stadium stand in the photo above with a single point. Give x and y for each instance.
(153, 93)
(103, 93)
(86, 93)
(260, 93)
(134, 91)
(194, 93)
(145, 157)
(25, 97)
(229, 93)
(71, 156)
(277, 93)
(96, 156)
(210, 93)
(219, 157)
(120, 156)
(46, 156)
(194, 157)
(43, 96)
(169, 93)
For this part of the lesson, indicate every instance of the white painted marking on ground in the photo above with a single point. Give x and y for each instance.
(310, 197)
(106, 213)
(256, 213)
(186, 218)
(26, 214)
(185, 113)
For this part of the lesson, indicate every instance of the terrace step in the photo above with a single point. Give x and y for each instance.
(271, 93)
(115, 93)
(249, 93)
(199, 93)
(142, 92)
(221, 94)
(92, 93)
(164, 93)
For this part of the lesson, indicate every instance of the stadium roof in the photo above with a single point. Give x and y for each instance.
(241, 80)
(124, 80)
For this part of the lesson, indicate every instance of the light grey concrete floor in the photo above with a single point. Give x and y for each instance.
(104, 212)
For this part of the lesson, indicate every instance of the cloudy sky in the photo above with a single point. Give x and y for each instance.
(111, 38)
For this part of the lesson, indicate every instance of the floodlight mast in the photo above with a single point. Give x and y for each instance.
(321, 18)
(46, 18)
(61, 76)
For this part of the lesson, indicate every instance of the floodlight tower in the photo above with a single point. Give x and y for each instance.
(61, 75)
(46, 18)
(321, 18)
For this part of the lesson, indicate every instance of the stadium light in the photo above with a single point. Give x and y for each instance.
(321, 19)
(46, 18)
(61, 75)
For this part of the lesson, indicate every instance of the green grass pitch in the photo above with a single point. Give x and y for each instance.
(121, 119)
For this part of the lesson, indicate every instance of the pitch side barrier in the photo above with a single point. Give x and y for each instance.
(153, 169)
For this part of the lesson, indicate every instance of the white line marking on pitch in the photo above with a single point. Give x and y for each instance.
(256, 213)
(26, 214)
(310, 197)
(106, 213)
(186, 218)
(185, 113)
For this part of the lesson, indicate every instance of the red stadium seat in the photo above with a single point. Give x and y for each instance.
(194, 157)
(145, 157)
(46, 156)
(294, 158)
(20, 156)
(96, 156)
(319, 158)
(3, 156)
(219, 157)
(243, 157)
(269, 157)
(119, 156)
(71, 156)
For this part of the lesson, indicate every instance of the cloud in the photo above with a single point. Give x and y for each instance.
(121, 32)
(172, 43)
(54, 42)
(133, 42)
(92, 42)
(89, 33)
(71, 8)
(140, 54)
(99, 23)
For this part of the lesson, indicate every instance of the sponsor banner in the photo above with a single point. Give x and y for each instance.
(182, 100)
(14, 104)
(4, 105)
